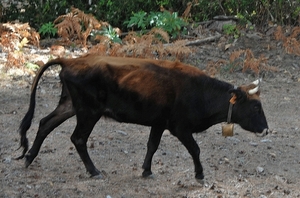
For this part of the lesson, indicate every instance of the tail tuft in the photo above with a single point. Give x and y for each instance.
(24, 144)
(25, 125)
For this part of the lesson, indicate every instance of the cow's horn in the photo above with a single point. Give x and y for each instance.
(256, 82)
(254, 90)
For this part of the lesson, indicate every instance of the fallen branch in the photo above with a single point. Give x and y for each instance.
(205, 40)
(199, 41)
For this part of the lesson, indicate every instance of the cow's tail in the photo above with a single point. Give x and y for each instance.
(26, 121)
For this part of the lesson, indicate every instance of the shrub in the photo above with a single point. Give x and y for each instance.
(169, 22)
(48, 30)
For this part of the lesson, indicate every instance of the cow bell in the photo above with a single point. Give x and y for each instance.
(227, 129)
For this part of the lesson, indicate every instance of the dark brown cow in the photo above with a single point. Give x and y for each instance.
(160, 94)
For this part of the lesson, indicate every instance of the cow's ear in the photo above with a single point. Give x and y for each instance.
(238, 93)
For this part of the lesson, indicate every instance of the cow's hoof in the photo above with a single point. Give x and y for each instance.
(200, 178)
(200, 181)
(28, 160)
(99, 176)
(147, 173)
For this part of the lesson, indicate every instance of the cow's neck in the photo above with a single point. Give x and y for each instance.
(219, 106)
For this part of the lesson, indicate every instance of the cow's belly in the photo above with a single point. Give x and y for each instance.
(135, 111)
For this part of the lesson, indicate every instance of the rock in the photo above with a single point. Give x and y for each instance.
(7, 160)
(260, 169)
(265, 140)
(121, 132)
(253, 144)
(226, 160)
(272, 155)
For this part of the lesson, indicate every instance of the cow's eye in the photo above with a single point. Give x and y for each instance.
(256, 108)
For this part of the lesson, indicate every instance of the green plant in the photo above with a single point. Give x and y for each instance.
(31, 66)
(138, 19)
(231, 29)
(48, 29)
(169, 22)
(109, 32)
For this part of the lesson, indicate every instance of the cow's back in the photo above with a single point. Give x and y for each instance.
(151, 79)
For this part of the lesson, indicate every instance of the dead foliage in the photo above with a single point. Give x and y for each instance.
(187, 12)
(214, 67)
(14, 36)
(240, 60)
(150, 45)
(15, 59)
(76, 26)
(290, 42)
(248, 62)
(178, 49)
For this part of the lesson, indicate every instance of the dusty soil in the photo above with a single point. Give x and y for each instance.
(240, 166)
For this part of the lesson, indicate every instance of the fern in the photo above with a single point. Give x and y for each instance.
(249, 62)
(160, 34)
(150, 45)
(77, 25)
(179, 50)
(290, 43)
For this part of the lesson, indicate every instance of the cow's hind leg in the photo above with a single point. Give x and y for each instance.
(62, 112)
(152, 145)
(85, 123)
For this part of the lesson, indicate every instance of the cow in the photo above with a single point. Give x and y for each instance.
(165, 95)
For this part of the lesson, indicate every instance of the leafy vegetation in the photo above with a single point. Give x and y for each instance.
(48, 30)
(109, 32)
(115, 12)
(231, 29)
(169, 22)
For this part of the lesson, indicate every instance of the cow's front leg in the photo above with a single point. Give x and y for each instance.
(191, 145)
(152, 145)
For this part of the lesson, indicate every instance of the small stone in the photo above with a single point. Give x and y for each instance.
(265, 140)
(226, 160)
(272, 155)
(253, 144)
(7, 160)
(259, 169)
(121, 132)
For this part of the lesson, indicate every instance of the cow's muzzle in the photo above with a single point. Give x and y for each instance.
(264, 133)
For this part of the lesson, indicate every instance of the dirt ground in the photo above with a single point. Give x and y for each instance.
(240, 166)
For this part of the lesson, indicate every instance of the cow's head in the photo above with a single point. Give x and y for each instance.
(247, 109)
